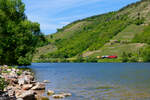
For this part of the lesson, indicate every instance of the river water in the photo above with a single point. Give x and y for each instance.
(96, 81)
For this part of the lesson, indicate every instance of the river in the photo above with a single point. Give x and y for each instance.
(96, 81)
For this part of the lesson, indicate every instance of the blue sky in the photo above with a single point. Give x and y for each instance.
(53, 14)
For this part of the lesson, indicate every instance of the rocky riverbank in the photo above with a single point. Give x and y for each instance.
(22, 85)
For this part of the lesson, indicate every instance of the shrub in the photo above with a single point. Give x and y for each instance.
(124, 57)
(133, 59)
(146, 54)
(3, 84)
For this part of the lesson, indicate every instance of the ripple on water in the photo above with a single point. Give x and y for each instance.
(96, 81)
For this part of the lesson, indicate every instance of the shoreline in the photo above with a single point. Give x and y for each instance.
(83, 60)
(21, 85)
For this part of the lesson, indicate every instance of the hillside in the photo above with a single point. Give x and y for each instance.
(112, 33)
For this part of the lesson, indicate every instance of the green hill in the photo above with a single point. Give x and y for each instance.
(113, 33)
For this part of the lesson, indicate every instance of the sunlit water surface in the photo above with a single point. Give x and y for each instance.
(96, 81)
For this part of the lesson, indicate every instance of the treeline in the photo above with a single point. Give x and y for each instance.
(65, 60)
(18, 36)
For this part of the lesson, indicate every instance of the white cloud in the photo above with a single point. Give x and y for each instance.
(51, 23)
(45, 12)
(53, 14)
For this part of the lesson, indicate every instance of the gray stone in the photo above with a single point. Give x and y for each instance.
(61, 95)
(21, 81)
(39, 86)
(46, 81)
(27, 95)
(27, 86)
(50, 92)
(11, 93)
(58, 96)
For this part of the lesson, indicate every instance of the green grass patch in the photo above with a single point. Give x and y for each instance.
(128, 33)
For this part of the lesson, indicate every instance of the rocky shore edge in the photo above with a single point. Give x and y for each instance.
(21, 85)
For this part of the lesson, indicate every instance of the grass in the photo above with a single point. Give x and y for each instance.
(142, 7)
(124, 43)
(109, 60)
(69, 30)
(118, 49)
(128, 33)
(43, 50)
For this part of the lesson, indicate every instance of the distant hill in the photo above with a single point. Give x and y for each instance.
(114, 33)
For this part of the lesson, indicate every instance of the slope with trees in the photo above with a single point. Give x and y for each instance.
(94, 33)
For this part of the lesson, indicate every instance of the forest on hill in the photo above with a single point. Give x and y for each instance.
(84, 40)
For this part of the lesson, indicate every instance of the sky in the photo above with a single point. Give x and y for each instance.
(54, 14)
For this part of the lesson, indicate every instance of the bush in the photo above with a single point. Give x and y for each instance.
(143, 37)
(129, 57)
(91, 59)
(146, 54)
(133, 59)
(139, 21)
(124, 57)
(3, 84)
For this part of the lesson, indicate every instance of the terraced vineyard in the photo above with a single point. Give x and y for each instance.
(112, 33)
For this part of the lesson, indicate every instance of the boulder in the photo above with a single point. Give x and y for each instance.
(5, 96)
(11, 80)
(11, 93)
(9, 88)
(13, 75)
(38, 86)
(27, 73)
(46, 81)
(18, 87)
(19, 99)
(17, 70)
(18, 93)
(27, 95)
(50, 92)
(25, 79)
(13, 69)
(6, 66)
(28, 78)
(58, 96)
(4, 75)
(61, 95)
(27, 86)
(9, 70)
(43, 98)
(21, 81)
(66, 94)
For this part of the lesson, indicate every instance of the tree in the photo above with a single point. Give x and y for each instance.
(18, 35)
(124, 57)
(146, 54)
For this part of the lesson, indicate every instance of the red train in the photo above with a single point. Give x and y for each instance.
(110, 57)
